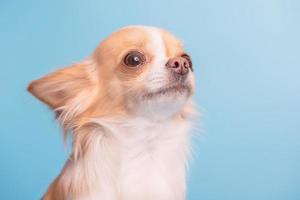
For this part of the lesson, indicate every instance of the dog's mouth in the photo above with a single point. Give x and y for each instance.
(177, 89)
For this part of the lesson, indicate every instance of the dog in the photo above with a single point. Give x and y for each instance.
(129, 110)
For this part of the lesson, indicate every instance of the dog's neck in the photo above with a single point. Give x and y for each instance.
(129, 158)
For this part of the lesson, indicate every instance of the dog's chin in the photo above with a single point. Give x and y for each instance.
(161, 103)
(170, 91)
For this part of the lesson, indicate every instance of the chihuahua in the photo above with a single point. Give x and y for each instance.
(129, 110)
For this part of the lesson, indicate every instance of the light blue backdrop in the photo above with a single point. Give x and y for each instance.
(247, 61)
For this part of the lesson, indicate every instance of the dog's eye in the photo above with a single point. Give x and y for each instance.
(188, 58)
(134, 59)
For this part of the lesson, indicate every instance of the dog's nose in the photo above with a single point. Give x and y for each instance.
(179, 65)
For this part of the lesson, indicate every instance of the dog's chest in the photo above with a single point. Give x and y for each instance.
(152, 161)
(148, 161)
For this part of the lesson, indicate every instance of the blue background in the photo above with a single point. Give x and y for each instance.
(247, 61)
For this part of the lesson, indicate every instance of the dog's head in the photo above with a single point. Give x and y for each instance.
(138, 71)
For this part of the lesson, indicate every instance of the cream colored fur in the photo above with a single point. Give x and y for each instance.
(127, 144)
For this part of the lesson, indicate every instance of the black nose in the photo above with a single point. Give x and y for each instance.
(178, 65)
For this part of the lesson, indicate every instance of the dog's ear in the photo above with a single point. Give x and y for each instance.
(61, 87)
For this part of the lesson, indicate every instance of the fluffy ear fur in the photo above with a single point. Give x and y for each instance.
(68, 91)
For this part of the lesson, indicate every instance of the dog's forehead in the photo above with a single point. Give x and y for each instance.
(144, 37)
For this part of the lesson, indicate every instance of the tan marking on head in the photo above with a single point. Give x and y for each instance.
(113, 49)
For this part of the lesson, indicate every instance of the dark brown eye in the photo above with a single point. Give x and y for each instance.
(134, 59)
(188, 58)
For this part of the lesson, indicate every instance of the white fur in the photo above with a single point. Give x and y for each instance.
(157, 76)
(134, 159)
